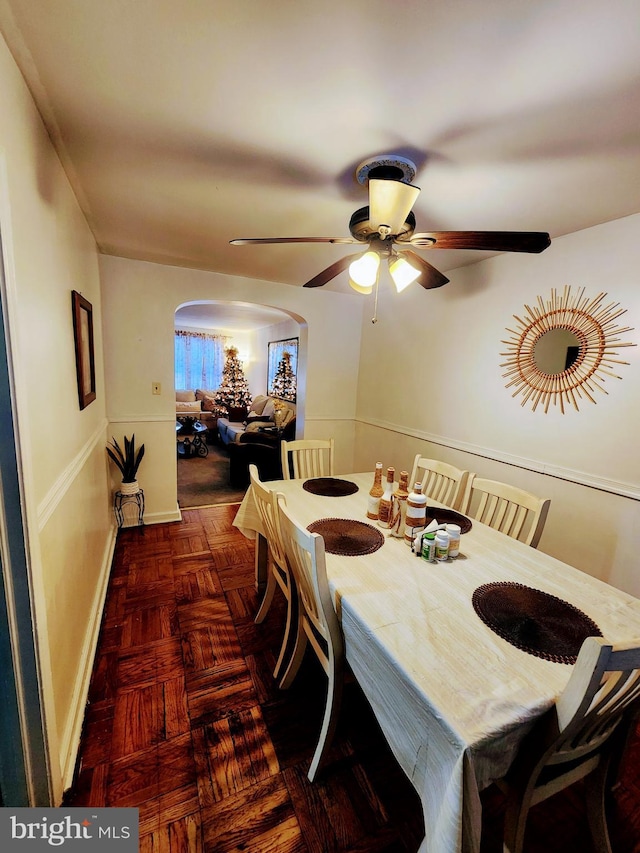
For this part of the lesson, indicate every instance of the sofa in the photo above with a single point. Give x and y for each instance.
(200, 404)
(255, 419)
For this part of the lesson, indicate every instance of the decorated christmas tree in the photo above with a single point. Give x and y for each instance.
(234, 388)
(284, 382)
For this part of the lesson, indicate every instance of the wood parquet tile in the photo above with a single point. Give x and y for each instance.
(144, 663)
(185, 722)
(214, 694)
(233, 754)
(259, 817)
(184, 833)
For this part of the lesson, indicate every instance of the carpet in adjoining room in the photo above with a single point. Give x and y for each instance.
(204, 480)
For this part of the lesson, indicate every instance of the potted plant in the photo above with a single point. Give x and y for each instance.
(128, 462)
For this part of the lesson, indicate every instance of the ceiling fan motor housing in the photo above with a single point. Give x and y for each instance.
(362, 230)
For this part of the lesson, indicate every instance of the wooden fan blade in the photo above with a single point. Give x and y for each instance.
(255, 241)
(330, 272)
(430, 277)
(497, 241)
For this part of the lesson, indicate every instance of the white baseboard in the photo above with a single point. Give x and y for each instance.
(162, 517)
(70, 741)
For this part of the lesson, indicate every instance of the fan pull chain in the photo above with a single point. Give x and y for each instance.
(374, 319)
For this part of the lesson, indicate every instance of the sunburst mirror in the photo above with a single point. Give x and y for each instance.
(564, 349)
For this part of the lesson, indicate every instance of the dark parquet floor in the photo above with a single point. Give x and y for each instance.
(185, 722)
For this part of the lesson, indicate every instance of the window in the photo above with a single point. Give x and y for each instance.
(199, 359)
(282, 369)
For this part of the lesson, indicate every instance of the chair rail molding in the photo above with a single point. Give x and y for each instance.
(582, 478)
(143, 419)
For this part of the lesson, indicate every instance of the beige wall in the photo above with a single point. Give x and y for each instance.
(48, 251)
(437, 356)
(139, 301)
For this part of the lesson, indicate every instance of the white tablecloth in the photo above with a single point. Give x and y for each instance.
(452, 698)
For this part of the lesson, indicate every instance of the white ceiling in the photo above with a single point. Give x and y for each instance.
(184, 125)
(227, 316)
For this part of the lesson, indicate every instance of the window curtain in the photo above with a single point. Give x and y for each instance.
(199, 360)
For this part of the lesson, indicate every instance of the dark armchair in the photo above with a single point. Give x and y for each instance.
(261, 449)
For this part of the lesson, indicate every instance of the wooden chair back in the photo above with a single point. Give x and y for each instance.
(441, 482)
(318, 624)
(513, 511)
(575, 740)
(278, 574)
(267, 506)
(306, 458)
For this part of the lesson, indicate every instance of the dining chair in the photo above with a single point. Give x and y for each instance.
(441, 482)
(577, 739)
(278, 574)
(306, 458)
(317, 626)
(513, 511)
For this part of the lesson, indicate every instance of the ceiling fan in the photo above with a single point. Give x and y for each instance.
(388, 224)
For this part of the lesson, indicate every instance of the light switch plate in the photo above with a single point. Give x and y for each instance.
(156, 388)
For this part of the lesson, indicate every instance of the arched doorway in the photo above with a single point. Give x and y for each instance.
(249, 328)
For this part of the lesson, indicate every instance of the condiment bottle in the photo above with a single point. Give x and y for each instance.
(415, 518)
(442, 545)
(384, 519)
(399, 506)
(454, 539)
(375, 493)
(429, 547)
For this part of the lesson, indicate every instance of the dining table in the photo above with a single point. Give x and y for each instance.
(452, 692)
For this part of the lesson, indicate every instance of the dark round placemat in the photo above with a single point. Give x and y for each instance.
(347, 537)
(534, 621)
(448, 516)
(330, 487)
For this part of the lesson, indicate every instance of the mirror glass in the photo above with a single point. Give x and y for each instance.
(555, 351)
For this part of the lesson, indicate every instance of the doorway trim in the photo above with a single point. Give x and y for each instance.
(25, 774)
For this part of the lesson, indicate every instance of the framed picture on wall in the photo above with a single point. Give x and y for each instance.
(85, 359)
(282, 369)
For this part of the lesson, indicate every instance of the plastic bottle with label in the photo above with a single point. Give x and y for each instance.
(384, 518)
(454, 539)
(429, 547)
(442, 546)
(375, 493)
